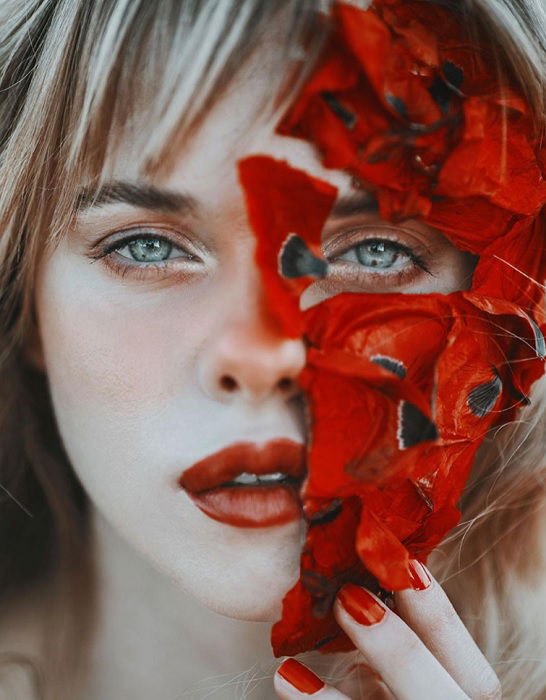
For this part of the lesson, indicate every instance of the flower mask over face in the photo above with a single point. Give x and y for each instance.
(401, 388)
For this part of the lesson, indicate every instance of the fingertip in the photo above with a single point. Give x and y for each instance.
(298, 677)
(360, 604)
(421, 578)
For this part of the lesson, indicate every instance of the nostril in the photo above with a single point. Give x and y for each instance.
(228, 383)
(286, 384)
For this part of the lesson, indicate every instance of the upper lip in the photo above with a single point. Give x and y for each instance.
(281, 455)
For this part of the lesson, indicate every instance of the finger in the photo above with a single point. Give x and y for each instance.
(433, 618)
(390, 646)
(294, 681)
(362, 681)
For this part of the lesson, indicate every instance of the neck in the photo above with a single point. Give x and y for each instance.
(150, 634)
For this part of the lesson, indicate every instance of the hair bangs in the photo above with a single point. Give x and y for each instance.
(155, 70)
(81, 81)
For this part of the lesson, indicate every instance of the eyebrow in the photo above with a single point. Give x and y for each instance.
(358, 202)
(137, 195)
(158, 199)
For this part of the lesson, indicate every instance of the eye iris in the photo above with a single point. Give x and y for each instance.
(141, 249)
(380, 254)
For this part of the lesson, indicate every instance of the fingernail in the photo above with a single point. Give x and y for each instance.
(418, 575)
(361, 605)
(302, 678)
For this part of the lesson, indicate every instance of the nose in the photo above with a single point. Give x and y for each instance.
(249, 359)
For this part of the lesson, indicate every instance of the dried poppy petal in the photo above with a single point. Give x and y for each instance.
(401, 389)
(272, 189)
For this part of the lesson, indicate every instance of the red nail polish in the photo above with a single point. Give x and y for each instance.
(419, 577)
(302, 678)
(361, 605)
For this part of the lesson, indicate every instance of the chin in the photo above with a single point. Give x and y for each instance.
(255, 605)
(253, 593)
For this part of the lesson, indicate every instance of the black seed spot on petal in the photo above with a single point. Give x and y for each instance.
(315, 582)
(296, 260)
(483, 397)
(325, 641)
(397, 104)
(327, 515)
(346, 116)
(413, 426)
(389, 363)
(441, 93)
(453, 74)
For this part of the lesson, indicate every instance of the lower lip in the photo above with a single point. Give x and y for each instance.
(250, 506)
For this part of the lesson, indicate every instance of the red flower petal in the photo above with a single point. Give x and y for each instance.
(282, 201)
(402, 388)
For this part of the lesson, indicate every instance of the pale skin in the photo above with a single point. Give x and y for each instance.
(134, 366)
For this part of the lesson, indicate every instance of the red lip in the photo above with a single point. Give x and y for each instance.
(206, 483)
(281, 455)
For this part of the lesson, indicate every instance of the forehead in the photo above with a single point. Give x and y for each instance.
(239, 124)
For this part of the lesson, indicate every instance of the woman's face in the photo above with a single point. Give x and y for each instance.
(159, 352)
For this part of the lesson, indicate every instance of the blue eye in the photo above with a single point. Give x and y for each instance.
(378, 254)
(149, 249)
(146, 254)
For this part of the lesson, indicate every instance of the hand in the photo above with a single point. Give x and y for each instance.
(423, 651)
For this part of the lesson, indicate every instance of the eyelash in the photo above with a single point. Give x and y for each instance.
(136, 270)
(363, 277)
(415, 258)
(145, 270)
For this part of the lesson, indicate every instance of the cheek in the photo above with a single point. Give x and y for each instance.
(121, 363)
(110, 347)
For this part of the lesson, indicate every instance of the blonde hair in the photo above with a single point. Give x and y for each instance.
(75, 77)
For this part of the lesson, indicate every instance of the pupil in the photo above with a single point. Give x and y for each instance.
(147, 249)
(380, 254)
